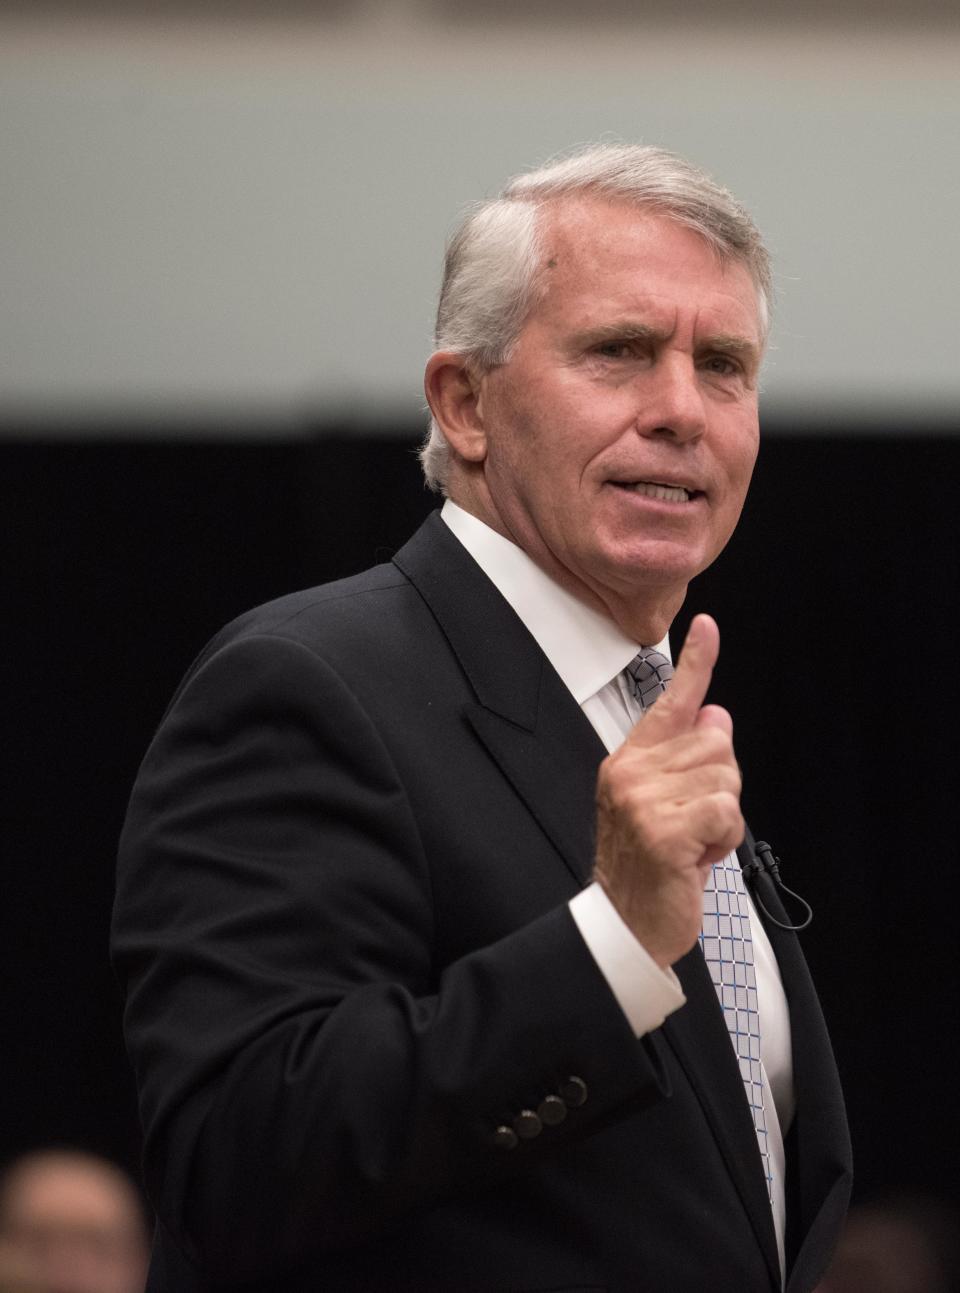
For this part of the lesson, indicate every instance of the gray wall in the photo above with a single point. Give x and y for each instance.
(240, 222)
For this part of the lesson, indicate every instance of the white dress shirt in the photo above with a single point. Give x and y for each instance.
(590, 652)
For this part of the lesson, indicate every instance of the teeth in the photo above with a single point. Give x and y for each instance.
(669, 493)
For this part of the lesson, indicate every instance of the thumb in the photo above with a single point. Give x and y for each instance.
(677, 710)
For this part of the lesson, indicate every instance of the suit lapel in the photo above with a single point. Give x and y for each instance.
(524, 715)
(553, 769)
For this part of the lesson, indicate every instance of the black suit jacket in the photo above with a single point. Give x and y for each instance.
(342, 923)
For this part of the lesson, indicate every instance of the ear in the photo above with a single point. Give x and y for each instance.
(453, 393)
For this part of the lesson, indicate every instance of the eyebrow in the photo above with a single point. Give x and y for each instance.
(619, 332)
(733, 344)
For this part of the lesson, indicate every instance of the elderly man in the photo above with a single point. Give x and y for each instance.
(441, 972)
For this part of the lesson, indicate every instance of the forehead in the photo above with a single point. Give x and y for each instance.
(606, 258)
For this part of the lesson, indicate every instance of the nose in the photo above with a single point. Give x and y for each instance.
(671, 401)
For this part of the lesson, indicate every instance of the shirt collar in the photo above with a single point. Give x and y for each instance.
(586, 648)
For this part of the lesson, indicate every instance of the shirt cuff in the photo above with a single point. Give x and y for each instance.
(646, 994)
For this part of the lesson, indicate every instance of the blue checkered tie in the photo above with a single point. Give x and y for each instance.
(728, 950)
(725, 937)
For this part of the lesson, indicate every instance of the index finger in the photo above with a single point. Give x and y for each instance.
(676, 711)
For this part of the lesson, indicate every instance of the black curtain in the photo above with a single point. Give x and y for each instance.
(836, 601)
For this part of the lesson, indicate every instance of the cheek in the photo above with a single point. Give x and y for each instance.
(544, 458)
(749, 462)
(740, 474)
(742, 454)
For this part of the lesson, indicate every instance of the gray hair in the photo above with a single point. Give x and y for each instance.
(492, 272)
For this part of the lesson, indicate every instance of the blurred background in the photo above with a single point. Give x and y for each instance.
(221, 232)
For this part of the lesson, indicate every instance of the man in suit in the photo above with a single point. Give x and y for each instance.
(412, 885)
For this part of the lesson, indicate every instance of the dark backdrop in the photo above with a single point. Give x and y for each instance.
(836, 601)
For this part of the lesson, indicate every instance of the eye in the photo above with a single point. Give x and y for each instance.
(722, 365)
(614, 349)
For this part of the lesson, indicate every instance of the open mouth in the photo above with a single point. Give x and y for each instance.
(659, 490)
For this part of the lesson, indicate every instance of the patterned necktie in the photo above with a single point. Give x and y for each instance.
(725, 937)
(649, 672)
(728, 950)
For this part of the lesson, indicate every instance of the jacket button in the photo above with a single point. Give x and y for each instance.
(527, 1124)
(574, 1092)
(505, 1138)
(552, 1110)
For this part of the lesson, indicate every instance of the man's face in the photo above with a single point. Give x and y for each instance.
(622, 432)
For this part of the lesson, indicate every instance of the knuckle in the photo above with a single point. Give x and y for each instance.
(721, 812)
(718, 744)
(710, 817)
(731, 780)
(728, 803)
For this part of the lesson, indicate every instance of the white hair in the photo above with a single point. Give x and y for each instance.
(492, 271)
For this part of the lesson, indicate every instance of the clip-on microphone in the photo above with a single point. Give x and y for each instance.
(768, 864)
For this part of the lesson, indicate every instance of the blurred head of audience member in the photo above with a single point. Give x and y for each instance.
(70, 1223)
(907, 1245)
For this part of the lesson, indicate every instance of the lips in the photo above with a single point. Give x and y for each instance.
(667, 493)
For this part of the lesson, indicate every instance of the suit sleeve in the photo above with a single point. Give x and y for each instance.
(307, 1073)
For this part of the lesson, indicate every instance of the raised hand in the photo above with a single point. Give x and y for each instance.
(668, 805)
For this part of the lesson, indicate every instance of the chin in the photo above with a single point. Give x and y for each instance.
(658, 565)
